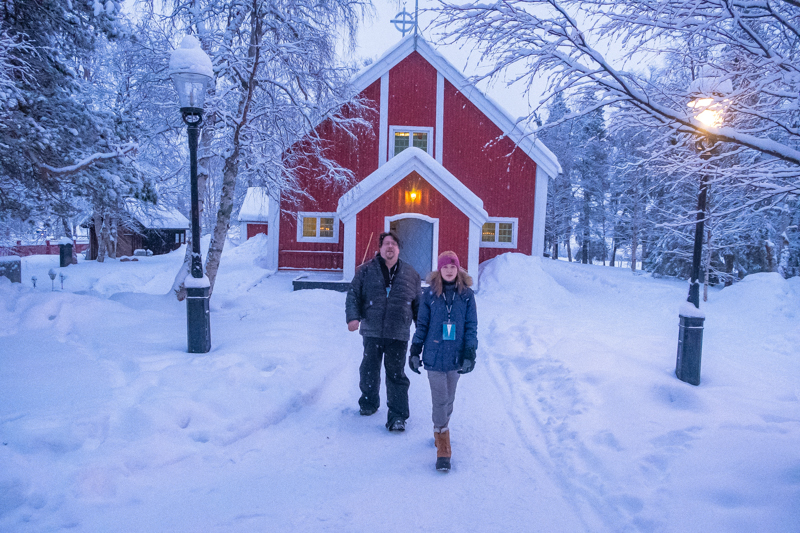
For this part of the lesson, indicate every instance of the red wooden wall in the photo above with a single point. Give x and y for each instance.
(361, 157)
(503, 176)
(24, 250)
(412, 94)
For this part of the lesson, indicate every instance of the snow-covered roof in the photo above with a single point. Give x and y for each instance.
(156, 216)
(255, 207)
(397, 168)
(523, 137)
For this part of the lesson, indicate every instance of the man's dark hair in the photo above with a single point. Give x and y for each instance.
(391, 234)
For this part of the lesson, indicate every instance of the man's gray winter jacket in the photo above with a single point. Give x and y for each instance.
(381, 315)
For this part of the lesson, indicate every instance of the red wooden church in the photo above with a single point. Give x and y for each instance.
(446, 168)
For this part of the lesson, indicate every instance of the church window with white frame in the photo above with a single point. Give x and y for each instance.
(499, 233)
(402, 137)
(317, 227)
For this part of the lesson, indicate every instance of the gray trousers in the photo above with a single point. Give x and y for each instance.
(443, 393)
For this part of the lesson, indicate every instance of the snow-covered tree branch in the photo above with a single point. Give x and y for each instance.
(752, 46)
(87, 162)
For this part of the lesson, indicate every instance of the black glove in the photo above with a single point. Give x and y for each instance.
(414, 362)
(416, 349)
(469, 361)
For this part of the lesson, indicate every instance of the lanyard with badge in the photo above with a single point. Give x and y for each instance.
(448, 328)
(392, 272)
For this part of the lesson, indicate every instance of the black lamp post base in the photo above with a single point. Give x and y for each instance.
(690, 349)
(198, 320)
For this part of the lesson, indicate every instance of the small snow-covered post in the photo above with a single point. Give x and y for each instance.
(707, 92)
(191, 70)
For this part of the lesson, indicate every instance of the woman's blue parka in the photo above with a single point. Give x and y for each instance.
(437, 354)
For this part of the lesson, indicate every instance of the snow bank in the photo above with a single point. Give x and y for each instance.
(763, 295)
(249, 260)
(521, 278)
(98, 396)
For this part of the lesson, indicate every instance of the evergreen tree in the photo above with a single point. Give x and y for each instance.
(558, 138)
(630, 196)
(590, 175)
(60, 140)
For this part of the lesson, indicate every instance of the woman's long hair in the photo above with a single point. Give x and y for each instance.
(463, 280)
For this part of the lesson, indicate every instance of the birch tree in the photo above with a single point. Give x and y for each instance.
(277, 79)
(754, 45)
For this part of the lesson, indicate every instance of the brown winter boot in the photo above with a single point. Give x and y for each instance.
(442, 450)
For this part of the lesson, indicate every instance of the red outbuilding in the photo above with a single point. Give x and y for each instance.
(445, 167)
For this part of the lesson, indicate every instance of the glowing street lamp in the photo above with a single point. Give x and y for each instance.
(708, 111)
(707, 92)
(191, 71)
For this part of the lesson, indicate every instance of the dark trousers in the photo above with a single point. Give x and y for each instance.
(393, 353)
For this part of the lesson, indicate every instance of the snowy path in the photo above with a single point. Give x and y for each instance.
(572, 421)
(540, 396)
(325, 468)
(544, 399)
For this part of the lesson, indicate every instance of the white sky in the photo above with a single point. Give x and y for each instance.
(377, 35)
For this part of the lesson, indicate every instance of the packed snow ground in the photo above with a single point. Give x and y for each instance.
(572, 421)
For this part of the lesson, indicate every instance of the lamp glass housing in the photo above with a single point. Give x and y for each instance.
(191, 88)
(707, 111)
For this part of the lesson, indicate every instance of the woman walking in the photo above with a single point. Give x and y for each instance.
(447, 338)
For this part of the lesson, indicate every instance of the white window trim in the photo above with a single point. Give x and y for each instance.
(439, 117)
(384, 120)
(303, 214)
(411, 129)
(514, 231)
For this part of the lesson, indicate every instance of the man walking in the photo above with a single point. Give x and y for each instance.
(383, 300)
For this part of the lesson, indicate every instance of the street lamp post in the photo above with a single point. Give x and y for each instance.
(191, 70)
(692, 319)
